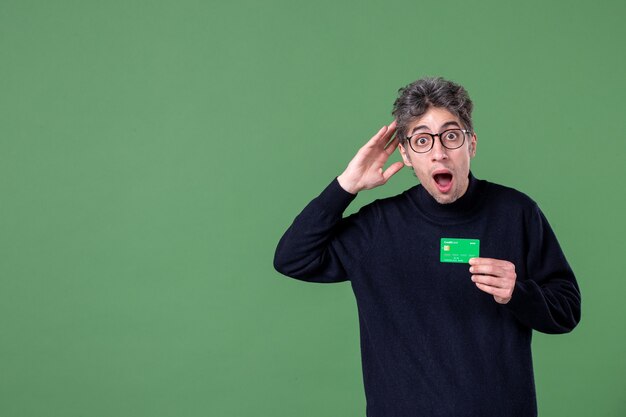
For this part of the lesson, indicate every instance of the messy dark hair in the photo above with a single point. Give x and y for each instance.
(416, 98)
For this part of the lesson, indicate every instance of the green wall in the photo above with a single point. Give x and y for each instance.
(152, 153)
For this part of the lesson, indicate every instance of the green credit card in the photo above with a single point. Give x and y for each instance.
(459, 250)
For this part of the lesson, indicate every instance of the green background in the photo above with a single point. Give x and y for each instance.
(152, 154)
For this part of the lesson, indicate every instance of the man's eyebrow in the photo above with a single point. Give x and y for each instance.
(443, 127)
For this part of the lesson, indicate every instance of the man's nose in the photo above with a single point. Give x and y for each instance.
(438, 152)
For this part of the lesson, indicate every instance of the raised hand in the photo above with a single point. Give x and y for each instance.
(365, 170)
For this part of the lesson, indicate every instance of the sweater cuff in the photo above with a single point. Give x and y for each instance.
(335, 199)
(519, 297)
(523, 301)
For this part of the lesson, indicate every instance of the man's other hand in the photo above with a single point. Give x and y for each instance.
(495, 277)
(365, 171)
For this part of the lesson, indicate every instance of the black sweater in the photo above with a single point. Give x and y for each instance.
(432, 344)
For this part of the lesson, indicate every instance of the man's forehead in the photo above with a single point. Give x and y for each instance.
(421, 125)
(436, 118)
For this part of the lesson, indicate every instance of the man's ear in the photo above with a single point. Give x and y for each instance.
(405, 156)
(473, 144)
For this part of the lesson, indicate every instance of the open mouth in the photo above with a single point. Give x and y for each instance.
(443, 180)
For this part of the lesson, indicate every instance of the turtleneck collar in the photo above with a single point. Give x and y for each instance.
(461, 209)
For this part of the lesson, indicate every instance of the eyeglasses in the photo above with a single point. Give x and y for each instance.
(423, 142)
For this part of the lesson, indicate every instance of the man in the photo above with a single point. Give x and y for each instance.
(450, 277)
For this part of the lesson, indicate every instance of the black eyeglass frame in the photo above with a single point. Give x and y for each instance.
(432, 135)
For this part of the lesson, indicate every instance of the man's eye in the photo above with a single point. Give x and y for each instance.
(452, 136)
(422, 141)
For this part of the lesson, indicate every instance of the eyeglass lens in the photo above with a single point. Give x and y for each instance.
(450, 139)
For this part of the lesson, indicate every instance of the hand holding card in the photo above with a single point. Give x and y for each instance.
(494, 276)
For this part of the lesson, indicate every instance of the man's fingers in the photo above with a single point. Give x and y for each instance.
(490, 261)
(377, 137)
(501, 296)
(383, 135)
(391, 129)
(393, 168)
(391, 146)
(494, 276)
(486, 288)
(494, 270)
(489, 280)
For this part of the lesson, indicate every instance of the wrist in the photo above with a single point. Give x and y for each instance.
(347, 185)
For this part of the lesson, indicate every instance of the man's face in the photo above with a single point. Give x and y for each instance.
(442, 172)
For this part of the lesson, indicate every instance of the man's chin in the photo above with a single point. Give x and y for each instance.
(443, 198)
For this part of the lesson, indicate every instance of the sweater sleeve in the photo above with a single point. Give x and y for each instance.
(320, 245)
(548, 298)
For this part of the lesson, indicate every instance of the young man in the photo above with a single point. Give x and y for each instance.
(450, 277)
